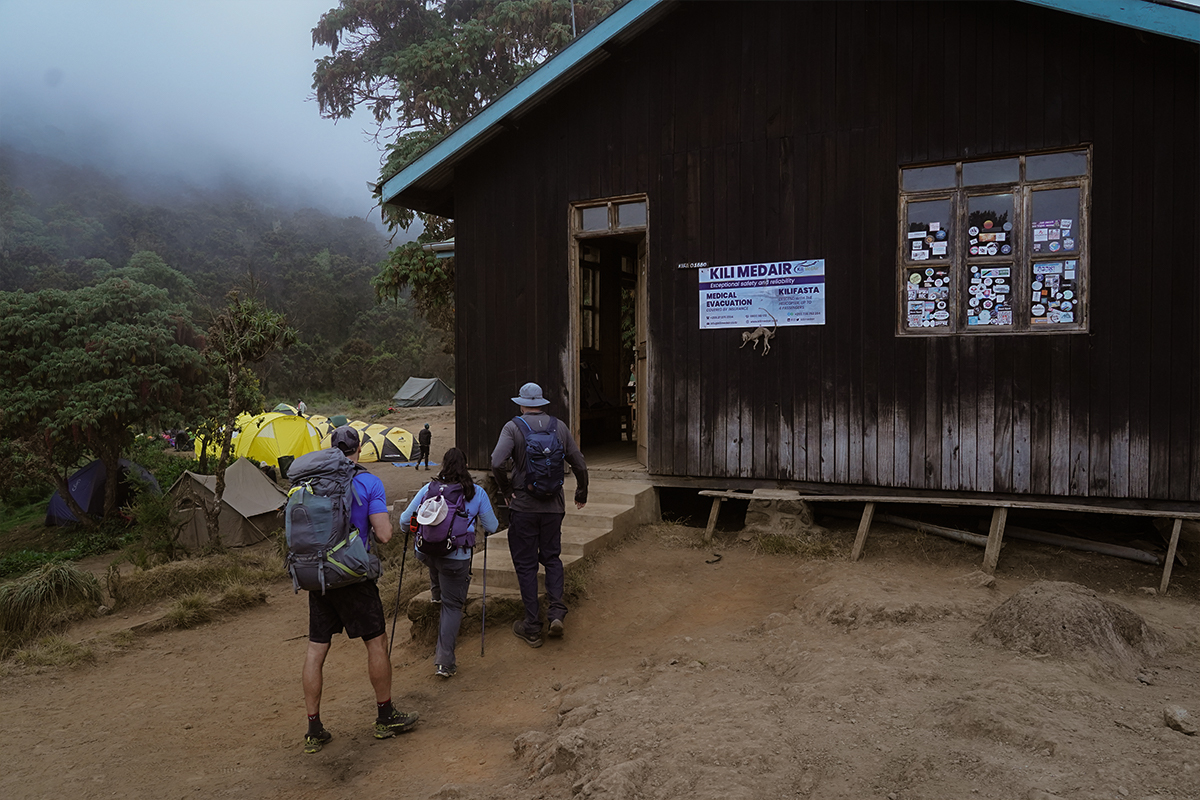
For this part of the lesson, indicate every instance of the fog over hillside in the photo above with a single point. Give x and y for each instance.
(170, 97)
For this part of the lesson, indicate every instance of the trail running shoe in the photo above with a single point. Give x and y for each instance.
(556, 628)
(396, 722)
(313, 744)
(533, 640)
(445, 671)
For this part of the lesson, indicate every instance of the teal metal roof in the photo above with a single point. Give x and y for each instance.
(427, 183)
(1174, 18)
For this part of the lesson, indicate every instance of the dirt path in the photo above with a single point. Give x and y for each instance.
(752, 677)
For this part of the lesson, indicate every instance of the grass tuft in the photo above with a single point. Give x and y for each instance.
(46, 598)
(805, 546)
(54, 651)
(188, 611)
(180, 578)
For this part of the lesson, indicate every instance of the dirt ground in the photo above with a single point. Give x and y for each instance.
(680, 676)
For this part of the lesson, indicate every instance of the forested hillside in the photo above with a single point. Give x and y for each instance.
(65, 227)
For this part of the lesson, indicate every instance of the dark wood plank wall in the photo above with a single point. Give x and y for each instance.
(767, 131)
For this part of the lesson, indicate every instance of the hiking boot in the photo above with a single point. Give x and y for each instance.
(396, 722)
(314, 743)
(556, 628)
(445, 671)
(531, 639)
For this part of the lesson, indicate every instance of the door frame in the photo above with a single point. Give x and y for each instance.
(576, 236)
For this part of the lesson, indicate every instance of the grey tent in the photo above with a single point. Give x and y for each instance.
(423, 392)
(251, 506)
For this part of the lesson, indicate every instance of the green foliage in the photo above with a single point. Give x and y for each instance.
(200, 245)
(154, 536)
(79, 542)
(79, 370)
(166, 465)
(432, 65)
(430, 280)
(423, 67)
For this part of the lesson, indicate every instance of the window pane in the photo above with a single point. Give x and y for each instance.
(928, 231)
(1056, 165)
(630, 214)
(927, 295)
(1055, 221)
(921, 178)
(1055, 290)
(989, 226)
(978, 173)
(595, 218)
(990, 296)
(588, 341)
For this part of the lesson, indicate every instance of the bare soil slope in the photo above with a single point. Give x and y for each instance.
(752, 677)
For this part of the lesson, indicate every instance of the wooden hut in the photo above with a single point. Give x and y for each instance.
(970, 227)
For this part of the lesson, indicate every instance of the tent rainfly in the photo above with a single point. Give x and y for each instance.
(87, 487)
(250, 506)
(277, 439)
(423, 392)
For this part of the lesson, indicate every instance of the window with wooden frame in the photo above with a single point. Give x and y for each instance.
(995, 246)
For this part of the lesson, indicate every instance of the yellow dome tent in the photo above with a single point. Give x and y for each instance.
(379, 442)
(214, 446)
(385, 443)
(277, 439)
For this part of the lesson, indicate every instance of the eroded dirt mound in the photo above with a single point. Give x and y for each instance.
(1070, 622)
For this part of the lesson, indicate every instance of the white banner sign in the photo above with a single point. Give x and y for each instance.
(748, 295)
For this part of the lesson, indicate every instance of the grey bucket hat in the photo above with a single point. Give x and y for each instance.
(531, 396)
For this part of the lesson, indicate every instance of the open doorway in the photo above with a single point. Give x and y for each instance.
(608, 284)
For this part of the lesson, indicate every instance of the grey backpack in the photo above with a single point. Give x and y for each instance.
(324, 551)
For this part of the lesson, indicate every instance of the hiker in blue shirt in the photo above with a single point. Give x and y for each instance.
(450, 574)
(355, 609)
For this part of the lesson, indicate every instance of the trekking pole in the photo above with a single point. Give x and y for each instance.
(483, 613)
(400, 585)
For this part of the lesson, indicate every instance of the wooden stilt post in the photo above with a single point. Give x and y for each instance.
(864, 525)
(991, 553)
(1170, 560)
(712, 519)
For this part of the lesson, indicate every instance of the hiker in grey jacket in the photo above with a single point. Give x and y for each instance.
(535, 524)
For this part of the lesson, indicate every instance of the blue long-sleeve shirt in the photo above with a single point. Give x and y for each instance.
(479, 509)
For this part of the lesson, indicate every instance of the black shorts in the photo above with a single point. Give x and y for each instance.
(356, 609)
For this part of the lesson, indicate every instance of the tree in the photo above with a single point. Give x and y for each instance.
(245, 332)
(423, 67)
(81, 371)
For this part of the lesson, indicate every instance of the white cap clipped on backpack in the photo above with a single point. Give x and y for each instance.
(432, 511)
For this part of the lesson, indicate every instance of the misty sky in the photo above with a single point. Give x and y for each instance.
(192, 90)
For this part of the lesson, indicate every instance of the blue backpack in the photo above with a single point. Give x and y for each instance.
(324, 551)
(544, 456)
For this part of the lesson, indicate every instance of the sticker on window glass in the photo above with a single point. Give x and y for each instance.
(927, 293)
(1053, 292)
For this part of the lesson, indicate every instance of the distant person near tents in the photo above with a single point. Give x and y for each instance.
(302, 409)
(424, 438)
